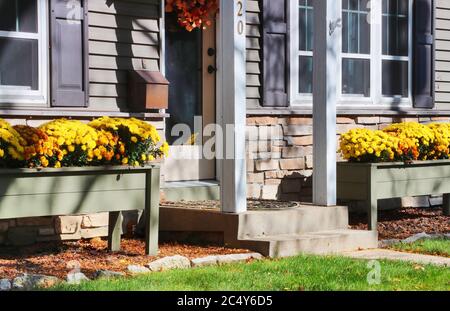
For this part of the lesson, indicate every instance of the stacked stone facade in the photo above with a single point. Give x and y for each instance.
(30, 230)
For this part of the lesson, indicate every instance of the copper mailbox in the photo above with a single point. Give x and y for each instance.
(147, 90)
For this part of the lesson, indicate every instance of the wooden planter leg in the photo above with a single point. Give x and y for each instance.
(114, 231)
(372, 213)
(446, 204)
(151, 212)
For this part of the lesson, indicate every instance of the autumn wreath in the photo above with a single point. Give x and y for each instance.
(193, 14)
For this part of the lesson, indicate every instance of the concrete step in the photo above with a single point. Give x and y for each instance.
(261, 223)
(190, 191)
(321, 242)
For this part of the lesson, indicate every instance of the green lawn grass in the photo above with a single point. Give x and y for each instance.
(292, 274)
(439, 247)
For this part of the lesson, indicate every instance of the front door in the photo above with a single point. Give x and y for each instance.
(190, 69)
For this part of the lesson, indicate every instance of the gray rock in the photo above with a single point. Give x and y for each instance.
(170, 263)
(223, 259)
(387, 243)
(425, 236)
(76, 278)
(137, 269)
(5, 285)
(416, 237)
(30, 281)
(204, 261)
(106, 274)
(440, 236)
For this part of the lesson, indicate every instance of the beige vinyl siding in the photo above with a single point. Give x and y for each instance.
(123, 35)
(254, 41)
(443, 54)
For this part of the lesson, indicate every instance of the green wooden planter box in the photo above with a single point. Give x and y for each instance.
(85, 190)
(370, 182)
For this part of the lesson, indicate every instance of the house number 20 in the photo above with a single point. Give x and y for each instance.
(240, 13)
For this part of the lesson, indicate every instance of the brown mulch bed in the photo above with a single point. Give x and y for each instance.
(58, 258)
(403, 223)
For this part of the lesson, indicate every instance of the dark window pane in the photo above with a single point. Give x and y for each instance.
(19, 63)
(395, 29)
(402, 37)
(365, 5)
(391, 6)
(403, 7)
(385, 6)
(356, 76)
(385, 34)
(356, 29)
(353, 5)
(350, 33)
(345, 32)
(18, 15)
(306, 24)
(27, 11)
(392, 35)
(306, 74)
(309, 27)
(8, 15)
(302, 29)
(364, 28)
(395, 78)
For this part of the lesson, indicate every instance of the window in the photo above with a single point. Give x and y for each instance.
(23, 57)
(395, 57)
(301, 40)
(305, 45)
(374, 57)
(355, 48)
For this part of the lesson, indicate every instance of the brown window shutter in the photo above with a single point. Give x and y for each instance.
(69, 53)
(275, 53)
(424, 58)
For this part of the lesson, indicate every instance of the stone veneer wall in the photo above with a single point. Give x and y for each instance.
(24, 231)
(279, 155)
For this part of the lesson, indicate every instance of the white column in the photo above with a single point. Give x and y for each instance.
(232, 98)
(327, 33)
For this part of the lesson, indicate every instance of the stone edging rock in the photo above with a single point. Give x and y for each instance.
(31, 281)
(414, 238)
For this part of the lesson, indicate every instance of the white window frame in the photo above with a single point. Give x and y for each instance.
(39, 97)
(296, 98)
(376, 99)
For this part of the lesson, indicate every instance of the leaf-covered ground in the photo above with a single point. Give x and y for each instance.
(55, 258)
(403, 223)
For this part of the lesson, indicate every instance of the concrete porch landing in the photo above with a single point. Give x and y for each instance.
(275, 233)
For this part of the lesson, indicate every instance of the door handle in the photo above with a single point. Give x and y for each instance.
(211, 69)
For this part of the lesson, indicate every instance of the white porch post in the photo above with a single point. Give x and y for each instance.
(232, 98)
(327, 33)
